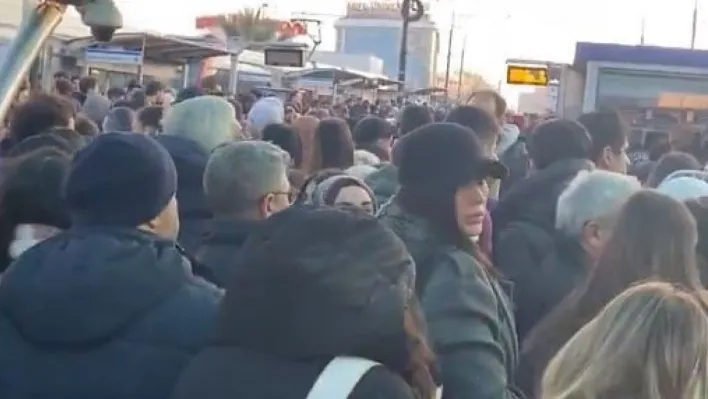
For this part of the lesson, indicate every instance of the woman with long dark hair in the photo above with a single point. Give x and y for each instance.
(333, 146)
(439, 213)
(654, 238)
(321, 298)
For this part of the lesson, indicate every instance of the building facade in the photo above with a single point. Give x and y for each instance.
(374, 28)
(653, 87)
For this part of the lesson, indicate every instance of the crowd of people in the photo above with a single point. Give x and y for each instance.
(158, 245)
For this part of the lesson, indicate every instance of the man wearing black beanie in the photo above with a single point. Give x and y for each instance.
(108, 308)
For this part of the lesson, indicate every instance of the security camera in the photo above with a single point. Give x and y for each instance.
(102, 16)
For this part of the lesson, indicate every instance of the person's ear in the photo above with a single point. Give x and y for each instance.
(606, 156)
(265, 206)
(151, 225)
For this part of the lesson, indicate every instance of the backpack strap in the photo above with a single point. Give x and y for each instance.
(339, 378)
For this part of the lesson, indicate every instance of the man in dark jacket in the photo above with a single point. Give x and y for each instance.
(525, 218)
(194, 214)
(245, 183)
(584, 218)
(109, 308)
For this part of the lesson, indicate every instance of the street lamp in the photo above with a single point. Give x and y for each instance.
(101, 16)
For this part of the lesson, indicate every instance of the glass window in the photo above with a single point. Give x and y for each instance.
(625, 89)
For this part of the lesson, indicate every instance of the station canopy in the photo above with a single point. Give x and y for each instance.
(340, 75)
(162, 48)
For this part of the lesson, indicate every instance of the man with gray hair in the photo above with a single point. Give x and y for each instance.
(585, 215)
(244, 183)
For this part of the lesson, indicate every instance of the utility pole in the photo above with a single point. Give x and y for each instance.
(694, 25)
(449, 52)
(407, 19)
(462, 68)
(403, 53)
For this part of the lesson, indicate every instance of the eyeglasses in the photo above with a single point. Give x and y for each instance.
(288, 194)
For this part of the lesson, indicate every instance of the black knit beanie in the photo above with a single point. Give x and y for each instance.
(120, 179)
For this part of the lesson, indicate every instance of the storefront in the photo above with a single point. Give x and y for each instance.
(655, 88)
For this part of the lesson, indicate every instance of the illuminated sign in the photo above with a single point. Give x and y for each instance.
(682, 101)
(526, 75)
(284, 57)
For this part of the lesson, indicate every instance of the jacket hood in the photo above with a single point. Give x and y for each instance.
(383, 182)
(190, 161)
(414, 231)
(87, 285)
(302, 303)
(533, 199)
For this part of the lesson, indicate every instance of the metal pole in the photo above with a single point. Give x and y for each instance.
(694, 25)
(462, 68)
(32, 76)
(31, 35)
(449, 52)
(141, 66)
(403, 51)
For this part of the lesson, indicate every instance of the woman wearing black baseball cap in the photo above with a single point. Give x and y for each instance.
(438, 212)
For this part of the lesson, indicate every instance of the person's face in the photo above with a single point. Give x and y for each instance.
(166, 224)
(471, 207)
(276, 200)
(355, 196)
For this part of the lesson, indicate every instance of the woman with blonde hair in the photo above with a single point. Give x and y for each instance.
(654, 238)
(651, 342)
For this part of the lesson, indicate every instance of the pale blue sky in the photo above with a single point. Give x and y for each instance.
(538, 29)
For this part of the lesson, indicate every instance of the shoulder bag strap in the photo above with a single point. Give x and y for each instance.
(339, 378)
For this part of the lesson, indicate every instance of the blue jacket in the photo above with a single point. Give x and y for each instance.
(101, 313)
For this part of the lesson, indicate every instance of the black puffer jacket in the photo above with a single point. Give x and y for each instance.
(194, 215)
(291, 308)
(98, 313)
(221, 249)
(525, 219)
(560, 272)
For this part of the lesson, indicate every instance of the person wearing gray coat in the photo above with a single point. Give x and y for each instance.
(438, 212)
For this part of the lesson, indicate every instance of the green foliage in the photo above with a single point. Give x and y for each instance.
(250, 26)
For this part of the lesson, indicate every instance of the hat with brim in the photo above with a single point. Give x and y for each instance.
(444, 155)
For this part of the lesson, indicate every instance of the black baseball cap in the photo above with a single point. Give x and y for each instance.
(444, 154)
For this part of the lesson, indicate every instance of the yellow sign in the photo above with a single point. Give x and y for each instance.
(526, 75)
